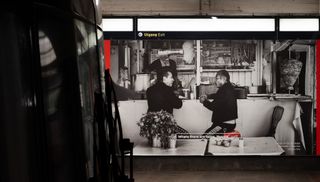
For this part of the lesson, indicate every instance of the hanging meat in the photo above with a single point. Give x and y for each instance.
(289, 71)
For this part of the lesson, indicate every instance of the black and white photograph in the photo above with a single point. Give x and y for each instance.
(216, 97)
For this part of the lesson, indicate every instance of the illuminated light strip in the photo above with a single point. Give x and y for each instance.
(299, 24)
(117, 24)
(206, 24)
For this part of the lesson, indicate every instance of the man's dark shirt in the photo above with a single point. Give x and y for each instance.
(161, 97)
(224, 105)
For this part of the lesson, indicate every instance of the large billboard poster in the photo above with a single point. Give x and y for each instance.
(217, 97)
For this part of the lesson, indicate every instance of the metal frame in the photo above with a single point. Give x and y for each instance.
(275, 35)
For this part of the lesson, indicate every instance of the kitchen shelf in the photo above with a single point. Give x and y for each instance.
(229, 70)
(185, 69)
(292, 96)
(186, 72)
(282, 96)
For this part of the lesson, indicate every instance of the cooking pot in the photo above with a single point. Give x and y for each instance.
(141, 81)
(241, 92)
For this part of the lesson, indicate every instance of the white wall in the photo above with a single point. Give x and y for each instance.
(254, 118)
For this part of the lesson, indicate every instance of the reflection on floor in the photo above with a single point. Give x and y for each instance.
(227, 176)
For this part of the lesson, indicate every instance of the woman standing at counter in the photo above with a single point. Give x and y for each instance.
(224, 105)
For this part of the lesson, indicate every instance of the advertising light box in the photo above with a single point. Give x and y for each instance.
(216, 97)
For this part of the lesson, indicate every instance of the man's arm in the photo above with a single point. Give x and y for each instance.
(206, 103)
(175, 101)
(209, 105)
(174, 68)
(211, 96)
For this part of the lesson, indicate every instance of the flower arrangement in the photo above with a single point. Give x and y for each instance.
(159, 124)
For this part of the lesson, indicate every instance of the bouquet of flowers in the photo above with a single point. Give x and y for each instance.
(159, 124)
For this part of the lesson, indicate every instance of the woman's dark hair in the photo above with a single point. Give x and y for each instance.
(224, 73)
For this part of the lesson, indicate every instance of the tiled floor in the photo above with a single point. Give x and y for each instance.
(227, 176)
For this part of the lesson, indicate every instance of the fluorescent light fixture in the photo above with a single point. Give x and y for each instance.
(117, 24)
(299, 24)
(207, 24)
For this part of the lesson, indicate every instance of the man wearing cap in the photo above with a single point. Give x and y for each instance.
(223, 107)
(164, 62)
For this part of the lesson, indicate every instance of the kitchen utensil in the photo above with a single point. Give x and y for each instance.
(186, 93)
(253, 89)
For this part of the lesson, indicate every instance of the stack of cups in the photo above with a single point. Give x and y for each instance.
(241, 145)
